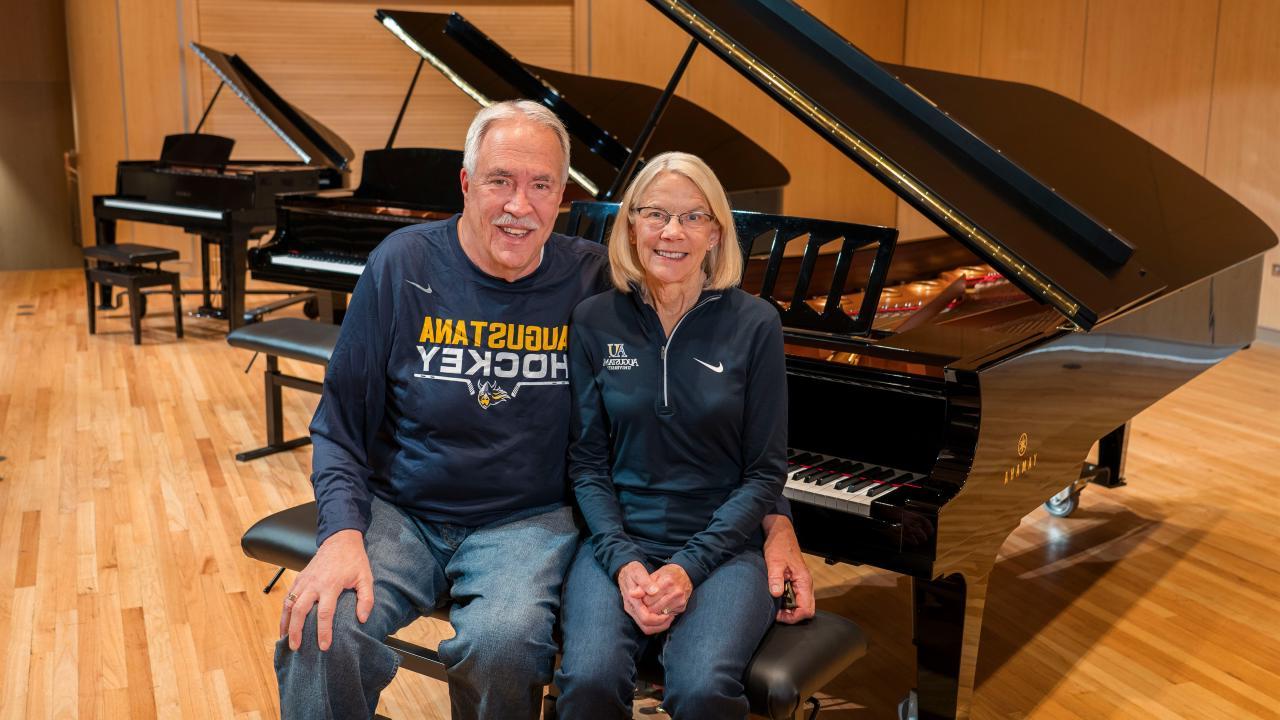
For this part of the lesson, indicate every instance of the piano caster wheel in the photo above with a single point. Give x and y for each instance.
(1064, 503)
(311, 308)
(907, 709)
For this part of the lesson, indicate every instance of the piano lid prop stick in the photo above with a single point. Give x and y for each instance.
(209, 107)
(655, 115)
(395, 129)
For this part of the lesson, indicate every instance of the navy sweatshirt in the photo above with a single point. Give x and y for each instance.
(679, 443)
(447, 393)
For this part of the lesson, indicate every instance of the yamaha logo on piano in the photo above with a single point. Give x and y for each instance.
(1024, 465)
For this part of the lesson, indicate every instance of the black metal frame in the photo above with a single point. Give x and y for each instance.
(273, 380)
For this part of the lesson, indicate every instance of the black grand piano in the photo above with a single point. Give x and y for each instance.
(323, 238)
(197, 187)
(1103, 274)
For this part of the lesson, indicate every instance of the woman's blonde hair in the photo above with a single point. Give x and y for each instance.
(723, 263)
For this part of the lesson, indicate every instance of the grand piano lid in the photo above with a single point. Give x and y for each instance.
(1074, 209)
(603, 116)
(314, 143)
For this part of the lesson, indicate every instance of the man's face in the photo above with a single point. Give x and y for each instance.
(512, 200)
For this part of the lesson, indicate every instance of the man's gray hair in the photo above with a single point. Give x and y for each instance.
(507, 110)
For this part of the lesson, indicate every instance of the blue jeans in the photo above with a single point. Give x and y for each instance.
(704, 653)
(504, 582)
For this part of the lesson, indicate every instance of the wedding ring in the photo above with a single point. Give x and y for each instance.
(291, 598)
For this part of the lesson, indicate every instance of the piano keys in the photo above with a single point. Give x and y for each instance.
(197, 187)
(1116, 275)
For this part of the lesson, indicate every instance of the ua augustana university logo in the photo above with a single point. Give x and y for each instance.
(618, 359)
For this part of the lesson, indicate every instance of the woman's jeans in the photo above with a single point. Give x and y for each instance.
(704, 653)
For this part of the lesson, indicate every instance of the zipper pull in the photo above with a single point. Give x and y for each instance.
(663, 353)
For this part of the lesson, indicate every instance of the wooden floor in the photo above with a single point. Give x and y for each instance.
(123, 592)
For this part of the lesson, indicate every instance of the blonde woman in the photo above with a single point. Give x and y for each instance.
(679, 452)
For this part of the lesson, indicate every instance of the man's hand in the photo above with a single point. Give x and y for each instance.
(668, 590)
(340, 563)
(633, 579)
(783, 560)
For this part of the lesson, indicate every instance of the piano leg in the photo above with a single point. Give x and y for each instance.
(1111, 452)
(206, 299)
(234, 252)
(948, 625)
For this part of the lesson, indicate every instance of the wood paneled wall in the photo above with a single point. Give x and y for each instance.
(1199, 78)
(35, 130)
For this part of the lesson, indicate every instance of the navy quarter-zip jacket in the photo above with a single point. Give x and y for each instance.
(679, 443)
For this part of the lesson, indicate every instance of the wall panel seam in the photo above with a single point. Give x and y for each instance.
(124, 106)
(1213, 84)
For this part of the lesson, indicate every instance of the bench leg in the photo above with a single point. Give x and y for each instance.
(93, 306)
(274, 579)
(273, 380)
(177, 305)
(135, 313)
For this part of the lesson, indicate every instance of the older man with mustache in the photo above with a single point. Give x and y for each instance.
(439, 445)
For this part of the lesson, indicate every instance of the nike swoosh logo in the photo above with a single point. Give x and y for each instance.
(426, 289)
(717, 368)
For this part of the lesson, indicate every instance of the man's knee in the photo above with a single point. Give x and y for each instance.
(512, 641)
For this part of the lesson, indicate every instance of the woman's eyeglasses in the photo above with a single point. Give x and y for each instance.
(657, 218)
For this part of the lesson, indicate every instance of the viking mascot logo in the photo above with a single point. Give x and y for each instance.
(491, 394)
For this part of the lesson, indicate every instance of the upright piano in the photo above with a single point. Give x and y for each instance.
(926, 423)
(323, 238)
(197, 187)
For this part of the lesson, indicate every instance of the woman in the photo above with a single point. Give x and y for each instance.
(679, 451)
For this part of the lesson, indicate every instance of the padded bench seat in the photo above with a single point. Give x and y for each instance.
(293, 338)
(791, 665)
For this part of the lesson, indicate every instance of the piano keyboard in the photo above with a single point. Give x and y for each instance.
(844, 485)
(327, 262)
(163, 209)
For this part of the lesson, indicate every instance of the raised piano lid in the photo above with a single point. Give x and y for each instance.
(314, 143)
(1077, 211)
(603, 116)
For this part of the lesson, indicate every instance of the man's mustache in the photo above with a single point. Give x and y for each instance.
(509, 220)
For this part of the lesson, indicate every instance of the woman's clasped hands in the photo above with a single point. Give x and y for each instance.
(653, 600)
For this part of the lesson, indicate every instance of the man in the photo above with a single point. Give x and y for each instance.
(439, 446)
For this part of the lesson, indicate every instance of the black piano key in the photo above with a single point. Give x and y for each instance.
(858, 485)
(807, 474)
(840, 470)
(818, 477)
(810, 459)
(879, 490)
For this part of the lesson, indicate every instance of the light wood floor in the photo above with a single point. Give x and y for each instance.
(123, 592)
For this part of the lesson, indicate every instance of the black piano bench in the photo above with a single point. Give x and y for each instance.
(293, 338)
(791, 665)
(112, 265)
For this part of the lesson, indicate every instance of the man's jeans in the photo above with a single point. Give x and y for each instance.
(704, 653)
(504, 582)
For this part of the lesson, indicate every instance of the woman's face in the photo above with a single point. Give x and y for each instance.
(674, 252)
